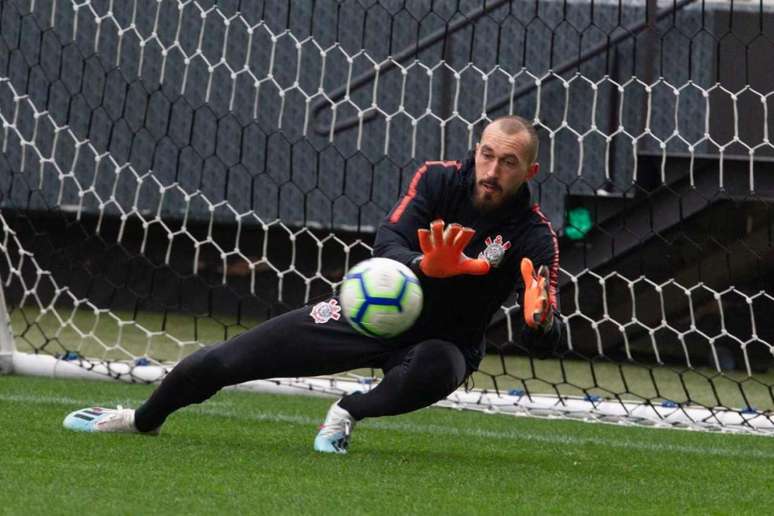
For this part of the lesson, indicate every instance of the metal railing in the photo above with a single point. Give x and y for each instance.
(652, 17)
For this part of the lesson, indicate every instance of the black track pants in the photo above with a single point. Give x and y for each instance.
(417, 374)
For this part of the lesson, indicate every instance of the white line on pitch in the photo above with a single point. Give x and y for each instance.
(226, 409)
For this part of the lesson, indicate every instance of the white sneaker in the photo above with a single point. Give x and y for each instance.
(335, 433)
(98, 419)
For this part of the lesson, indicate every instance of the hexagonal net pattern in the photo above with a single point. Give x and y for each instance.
(173, 173)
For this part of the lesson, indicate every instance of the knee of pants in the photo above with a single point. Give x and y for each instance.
(439, 363)
(205, 368)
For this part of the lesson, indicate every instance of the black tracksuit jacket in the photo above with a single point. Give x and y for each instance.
(459, 308)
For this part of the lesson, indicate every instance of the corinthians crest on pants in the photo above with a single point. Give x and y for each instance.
(495, 250)
(324, 311)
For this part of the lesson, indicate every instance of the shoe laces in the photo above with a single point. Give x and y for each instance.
(335, 423)
(116, 418)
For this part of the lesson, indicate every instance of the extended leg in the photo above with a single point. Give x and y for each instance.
(415, 377)
(428, 372)
(289, 345)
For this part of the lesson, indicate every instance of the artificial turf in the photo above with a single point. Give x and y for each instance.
(249, 453)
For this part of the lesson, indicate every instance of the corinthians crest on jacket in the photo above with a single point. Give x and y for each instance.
(495, 250)
(324, 311)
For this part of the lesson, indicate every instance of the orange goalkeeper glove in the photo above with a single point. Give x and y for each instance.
(537, 305)
(442, 251)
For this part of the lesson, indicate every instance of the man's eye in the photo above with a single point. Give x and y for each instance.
(510, 163)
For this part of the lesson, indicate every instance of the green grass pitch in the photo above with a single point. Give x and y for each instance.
(248, 453)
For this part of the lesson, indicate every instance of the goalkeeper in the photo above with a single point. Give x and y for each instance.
(469, 231)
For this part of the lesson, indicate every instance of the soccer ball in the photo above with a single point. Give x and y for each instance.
(381, 297)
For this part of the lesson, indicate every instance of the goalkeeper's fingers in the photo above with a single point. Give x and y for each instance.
(537, 303)
(527, 273)
(436, 232)
(534, 306)
(463, 239)
(425, 242)
(543, 276)
(540, 308)
(544, 282)
(450, 234)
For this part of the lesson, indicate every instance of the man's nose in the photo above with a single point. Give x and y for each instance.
(493, 171)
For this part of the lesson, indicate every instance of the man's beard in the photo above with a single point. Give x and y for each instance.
(485, 202)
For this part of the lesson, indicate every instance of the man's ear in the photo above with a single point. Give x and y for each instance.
(533, 170)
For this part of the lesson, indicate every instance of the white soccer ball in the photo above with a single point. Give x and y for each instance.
(381, 297)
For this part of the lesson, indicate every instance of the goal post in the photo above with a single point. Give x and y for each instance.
(174, 173)
(6, 338)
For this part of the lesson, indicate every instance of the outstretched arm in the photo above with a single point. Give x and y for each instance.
(396, 237)
(543, 327)
(404, 235)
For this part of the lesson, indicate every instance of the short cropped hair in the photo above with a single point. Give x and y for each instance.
(514, 124)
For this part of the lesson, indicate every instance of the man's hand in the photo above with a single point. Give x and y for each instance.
(537, 306)
(443, 256)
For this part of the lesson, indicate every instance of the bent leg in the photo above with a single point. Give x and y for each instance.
(427, 373)
(290, 345)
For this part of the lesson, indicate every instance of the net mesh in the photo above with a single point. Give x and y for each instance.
(173, 173)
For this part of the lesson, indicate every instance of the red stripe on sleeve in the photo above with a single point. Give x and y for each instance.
(412, 189)
(553, 272)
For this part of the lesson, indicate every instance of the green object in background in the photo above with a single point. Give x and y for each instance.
(578, 223)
